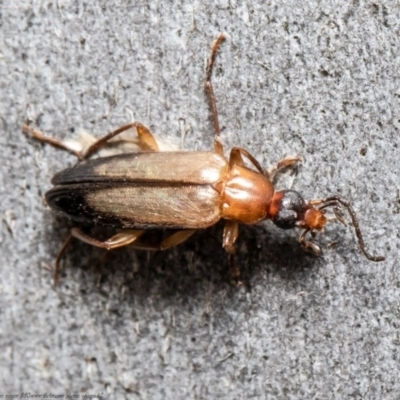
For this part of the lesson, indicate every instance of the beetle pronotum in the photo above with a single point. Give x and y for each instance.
(182, 191)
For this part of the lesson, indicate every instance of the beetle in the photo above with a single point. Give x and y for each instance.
(182, 191)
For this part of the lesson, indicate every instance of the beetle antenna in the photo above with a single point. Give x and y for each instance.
(335, 200)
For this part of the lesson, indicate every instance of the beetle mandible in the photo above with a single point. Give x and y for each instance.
(182, 191)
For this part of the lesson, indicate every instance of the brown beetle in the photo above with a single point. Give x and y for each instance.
(181, 191)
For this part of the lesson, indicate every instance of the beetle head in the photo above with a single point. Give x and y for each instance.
(289, 210)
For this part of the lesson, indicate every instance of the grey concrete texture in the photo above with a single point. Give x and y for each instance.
(318, 79)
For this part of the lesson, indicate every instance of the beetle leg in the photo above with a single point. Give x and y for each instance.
(235, 158)
(231, 233)
(281, 166)
(146, 139)
(123, 238)
(176, 238)
(37, 135)
(235, 271)
(170, 241)
(58, 258)
(120, 239)
(218, 148)
(309, 246)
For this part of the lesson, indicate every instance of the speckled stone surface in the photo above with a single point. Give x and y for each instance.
(318, 79)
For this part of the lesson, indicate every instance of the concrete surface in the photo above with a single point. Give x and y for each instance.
(318, 79)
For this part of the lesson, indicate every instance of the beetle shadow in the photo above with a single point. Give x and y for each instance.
(269, 250)
(183, 271)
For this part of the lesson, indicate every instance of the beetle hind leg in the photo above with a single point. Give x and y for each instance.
(147, 142)
(39, 136)
(123, 238)
(61, 252)
(170, 241)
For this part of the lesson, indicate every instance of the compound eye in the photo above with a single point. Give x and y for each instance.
(290, 209)
(286, 219)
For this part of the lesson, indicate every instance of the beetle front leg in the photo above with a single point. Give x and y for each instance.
(281, 166)
(235, 158)
(231, 233)
(309, 246)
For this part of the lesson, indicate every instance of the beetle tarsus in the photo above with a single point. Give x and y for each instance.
(235, 271)
(40, 137)
(282, 166)
(309, 246)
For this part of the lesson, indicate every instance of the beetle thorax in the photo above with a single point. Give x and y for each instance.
(246, 195)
